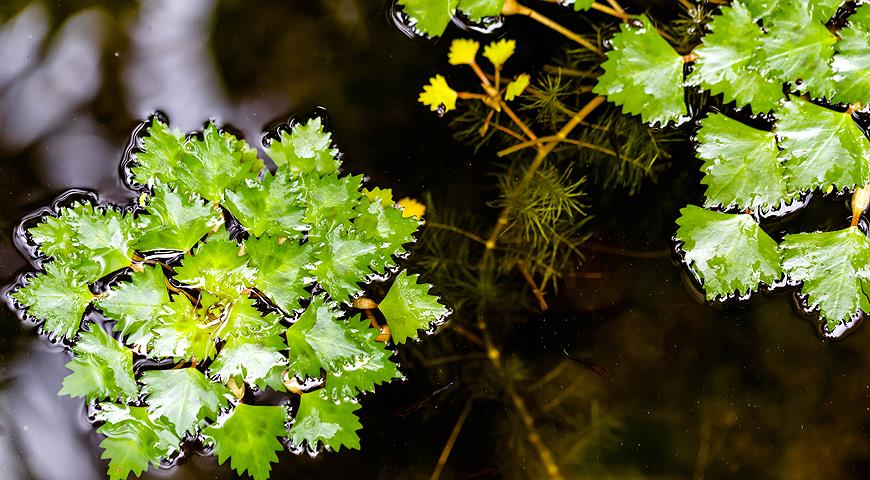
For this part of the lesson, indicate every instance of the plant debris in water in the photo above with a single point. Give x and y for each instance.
(226, 311)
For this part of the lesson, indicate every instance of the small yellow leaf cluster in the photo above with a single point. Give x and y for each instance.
(438, 93)
(499, 52)
(517, 87)
(412, 208)
(462, 51)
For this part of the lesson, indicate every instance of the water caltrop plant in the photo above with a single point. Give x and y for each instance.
(226, 278)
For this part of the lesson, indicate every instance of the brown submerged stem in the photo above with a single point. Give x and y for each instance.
(454, 434)
(513, 7)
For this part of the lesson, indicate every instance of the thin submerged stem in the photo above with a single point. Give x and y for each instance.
(513, 7)
(460, 231)
(454, 434)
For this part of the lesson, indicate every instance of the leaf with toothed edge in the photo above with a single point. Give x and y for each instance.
(306, 148)
(175, 221)
(833, 269)
(57, 297)
(409, 307)
(363, 371)
(161, 154)
(727, 253)
(217, 266)
(344, 261)
(321, 419)
(133, 439)
(643, 75)
(742, 165)
(824, 149)
(248, 437)
(273, 206)
(255, 360)
(722, 66)
(851, 63)
(282, 269)
(184, 397)
(101, 368)
(136, 305)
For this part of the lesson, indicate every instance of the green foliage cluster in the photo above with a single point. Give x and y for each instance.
(243, 278)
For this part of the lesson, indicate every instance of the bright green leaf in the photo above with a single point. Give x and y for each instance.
(248, 436)
(282, 270)
(101, 368)
(833, 269)
(273, 206)
(320, 340)
(136, 305)
(477, 10)
(851, 64)
(583, 5)
(160, 156)
(727, 253)
(257, 360)
(797, 50)
(175, 221)
(330, 199)
(58, 297)
(409, 307)
(644, 75)
(322, 419)
(184, 397)
(133, 440)
(217, 161)
(430, 17)
(186, 332)
(822, 147)
(344, 261)
(364, 371)
(741, 165)
(723, 62)
(307, 148)
(244, 320)
(388, 227)
(217, 267)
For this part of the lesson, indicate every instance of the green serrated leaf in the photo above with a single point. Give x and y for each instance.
(741, 165)
(364, 371)
(93, 241)
(133, 440)
(763, 8)
(160, 156)
(409, 307)
(282, 270)
(186, 332)
(184, 397)
(320, 340)
(244, 320)
(218, 266)
(57, 297)
(477, 10)
(723, 62)
(101, 368)
(430, 17)
(255, 360)
(216, 162)
(822, 147)
(248, 437)
(330, 199)
(322, 419)
(851, 64)
(727, 253)
(833, 269)
(798, 50)
(137, 305)
(273, 206)
(583, 5)
(344, 259)
(307, 148)
(175, 221)
(644, 75)
(388, 227)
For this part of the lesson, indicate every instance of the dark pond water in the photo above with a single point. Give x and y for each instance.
(691, 391)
